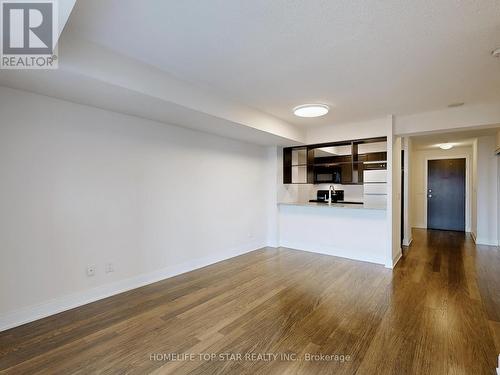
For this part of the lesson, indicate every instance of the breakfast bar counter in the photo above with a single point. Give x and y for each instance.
(356, 206)
(354, 231)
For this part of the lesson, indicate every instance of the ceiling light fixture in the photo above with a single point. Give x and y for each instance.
(445, 146)
(496, 53)
(311, 110)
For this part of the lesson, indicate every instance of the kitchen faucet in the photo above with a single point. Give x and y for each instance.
(331, 191)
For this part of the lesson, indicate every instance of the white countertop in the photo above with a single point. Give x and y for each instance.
(365, 206)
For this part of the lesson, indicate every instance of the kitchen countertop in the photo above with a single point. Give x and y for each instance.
(370, 206)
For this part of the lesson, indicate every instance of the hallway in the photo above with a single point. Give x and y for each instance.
(444, 315)
(437, 313)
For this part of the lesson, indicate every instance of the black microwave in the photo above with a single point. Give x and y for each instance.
(327, 175)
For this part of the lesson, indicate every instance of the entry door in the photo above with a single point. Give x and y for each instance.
(446, 194)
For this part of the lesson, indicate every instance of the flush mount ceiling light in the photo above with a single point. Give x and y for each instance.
(445, 146)
(496, 53)
(311, 110)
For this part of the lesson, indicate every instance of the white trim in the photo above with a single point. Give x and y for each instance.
(473, 235)
(407, 235)
(391, 191)
(419, 226)
(395, 261)
(407, 241)
(54, 306)
(328, 250)
(485, 241)
(467, 186)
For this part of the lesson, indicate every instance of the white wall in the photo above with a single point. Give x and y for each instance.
(346, 131)
(487, 191)
(394, 195)
(274, 179)
(82, 186)
(418, 180)
(65, 7)
(473, 225)
(466, 117)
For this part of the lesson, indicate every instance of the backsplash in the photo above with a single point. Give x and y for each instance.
(351, 192)
(305, 192)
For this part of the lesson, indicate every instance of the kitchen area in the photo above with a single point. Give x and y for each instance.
(333, 199)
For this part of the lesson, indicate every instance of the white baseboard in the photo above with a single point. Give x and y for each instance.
(395, 260)
(420, 226)
(34, 312)
(407, 241)
(473, 235)
(273, 244)
(328, 250)
(485, 241)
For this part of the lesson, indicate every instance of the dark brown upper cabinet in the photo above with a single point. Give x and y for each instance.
(335, 162)
(298, 165)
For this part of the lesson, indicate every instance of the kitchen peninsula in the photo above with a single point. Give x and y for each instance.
(334, 199)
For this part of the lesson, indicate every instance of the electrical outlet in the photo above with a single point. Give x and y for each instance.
(90, 271)
(109, 268)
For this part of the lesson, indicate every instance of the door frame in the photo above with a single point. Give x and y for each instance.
(467, 186)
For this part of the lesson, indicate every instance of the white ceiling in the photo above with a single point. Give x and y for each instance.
(366, 58)
(458, 139)
(99, 94)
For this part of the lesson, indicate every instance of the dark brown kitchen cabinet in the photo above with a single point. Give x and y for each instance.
(346, 173)
(298, 165)
(374, 166)
(311, 164)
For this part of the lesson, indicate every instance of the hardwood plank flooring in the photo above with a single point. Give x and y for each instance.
(438, 312)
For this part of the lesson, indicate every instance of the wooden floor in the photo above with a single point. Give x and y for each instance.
(437, 313)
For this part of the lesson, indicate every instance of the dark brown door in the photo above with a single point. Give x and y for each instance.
(446, 194)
